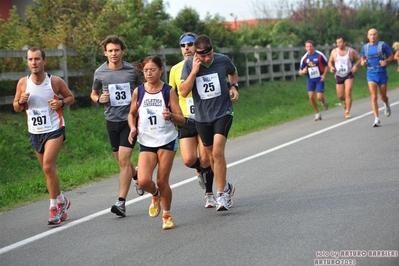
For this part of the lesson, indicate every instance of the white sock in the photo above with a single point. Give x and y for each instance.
(53, 202)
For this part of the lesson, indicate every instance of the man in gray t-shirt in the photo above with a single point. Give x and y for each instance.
(113, 85)
(212, 78)
(120, 83)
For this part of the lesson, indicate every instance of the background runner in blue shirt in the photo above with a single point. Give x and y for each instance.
(376, 56)
(314, 65)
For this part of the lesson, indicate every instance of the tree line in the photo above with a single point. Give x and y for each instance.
(145, 25)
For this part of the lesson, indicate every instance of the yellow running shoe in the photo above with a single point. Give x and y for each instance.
(168, 222)
(155, 209)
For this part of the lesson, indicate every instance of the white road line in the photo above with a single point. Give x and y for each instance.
(97, 214)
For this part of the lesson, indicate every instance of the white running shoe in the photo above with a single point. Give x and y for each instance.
(210, 201)
(62, 208)
(230, 193)
(387, 109)
(376, 122)
(155, 207)
(140, 191)
(221, 203)
(168, 222)
(317, 117)
(54, 217)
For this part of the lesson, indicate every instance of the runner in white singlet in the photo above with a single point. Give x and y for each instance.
(344, 62)
(39, 94)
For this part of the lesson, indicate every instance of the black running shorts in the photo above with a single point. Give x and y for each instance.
(207, 130)
(118, 133)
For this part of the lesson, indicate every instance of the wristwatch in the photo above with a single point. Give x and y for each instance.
(98, 99)
(171, 117)
(63, 103)
(234, 85)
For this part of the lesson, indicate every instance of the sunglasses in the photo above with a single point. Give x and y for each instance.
(183, 45)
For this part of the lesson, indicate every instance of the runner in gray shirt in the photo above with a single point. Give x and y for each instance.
(214, 88)
(207, 75)
(113, 85)
(121, 82)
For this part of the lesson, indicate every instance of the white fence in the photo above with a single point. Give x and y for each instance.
(261, 63)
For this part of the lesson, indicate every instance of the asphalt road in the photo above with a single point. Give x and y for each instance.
(307, 193)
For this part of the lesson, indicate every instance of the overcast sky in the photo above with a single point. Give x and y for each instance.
(241, 9)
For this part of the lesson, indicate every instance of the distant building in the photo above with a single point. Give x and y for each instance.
(6, 5)
(234, 25)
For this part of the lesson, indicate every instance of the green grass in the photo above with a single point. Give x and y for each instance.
(86, 156)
